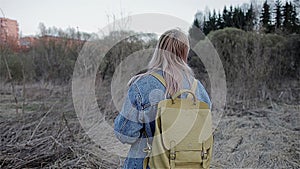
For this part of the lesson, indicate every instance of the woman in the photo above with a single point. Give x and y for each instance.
(145, 91)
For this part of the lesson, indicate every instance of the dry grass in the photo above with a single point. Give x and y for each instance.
(48, 134)
(258, 138)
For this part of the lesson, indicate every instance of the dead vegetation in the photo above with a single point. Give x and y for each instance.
(48, 133)
(266, 137)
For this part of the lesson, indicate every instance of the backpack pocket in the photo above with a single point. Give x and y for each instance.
(195, 158)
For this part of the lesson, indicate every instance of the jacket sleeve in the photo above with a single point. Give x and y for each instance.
(127, 128)
(203, 95)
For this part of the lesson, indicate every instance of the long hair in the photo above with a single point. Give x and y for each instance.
(170, 56)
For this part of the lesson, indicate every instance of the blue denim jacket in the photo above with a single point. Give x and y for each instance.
(138, 115)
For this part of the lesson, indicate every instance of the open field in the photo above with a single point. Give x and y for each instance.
(47, 134)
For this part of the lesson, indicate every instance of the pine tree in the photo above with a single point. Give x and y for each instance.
(249, 19)
(294, 20)
(226, 17)
(220, 22)
(196, 23)
(235, 18)
(196, 32)
(238, 18)
(230, 16)
(206, 28)
(287, 17)
(297, 6)
(213, 21)
(265, 18)
(242, 18)
(278, 15)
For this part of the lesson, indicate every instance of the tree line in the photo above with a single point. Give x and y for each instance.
(252, 61)
(283, 19)
(259, 47)
(52, 57)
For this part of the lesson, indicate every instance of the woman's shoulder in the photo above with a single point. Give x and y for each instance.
(145, 82)
(144, 77)
(200, 85)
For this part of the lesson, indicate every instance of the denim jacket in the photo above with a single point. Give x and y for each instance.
(138, 114)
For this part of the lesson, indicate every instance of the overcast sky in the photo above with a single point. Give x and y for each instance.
(91, 15)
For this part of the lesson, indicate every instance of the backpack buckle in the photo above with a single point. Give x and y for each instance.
(147, 149)
(204, 155)
(172, 155)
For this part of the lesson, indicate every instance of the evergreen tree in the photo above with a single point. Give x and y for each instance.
(220, 22)
(196, 23)
(287, 17)
(235, 18)
(249, 19)
(242, 18)
(196, 32)
(230, 16)
(238, 18)
(278, 15)
(206, 28)
(210, 24)
(226, 17)
(294, 20)
(265, 18)
(297, 6)
(213, 21)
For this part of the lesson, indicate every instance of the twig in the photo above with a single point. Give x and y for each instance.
(24, 89)
(56, 141)
(12, 84)
(33, 133)
(67, 125)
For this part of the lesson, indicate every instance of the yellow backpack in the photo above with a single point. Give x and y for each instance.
(183, 133)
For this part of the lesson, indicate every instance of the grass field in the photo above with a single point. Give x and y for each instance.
(47, 133)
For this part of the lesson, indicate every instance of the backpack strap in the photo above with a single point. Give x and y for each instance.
(193, 88)
(147, 150)
(163, 82)
(159, 78)
(146, 162)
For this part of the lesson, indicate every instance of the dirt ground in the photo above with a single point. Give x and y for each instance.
(47, 133)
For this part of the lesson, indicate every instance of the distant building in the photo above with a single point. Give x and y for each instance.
(9, 31)
(27, 42)
(61, 40)
(9, 35)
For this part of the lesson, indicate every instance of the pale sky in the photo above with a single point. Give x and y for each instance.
(91, 15)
